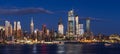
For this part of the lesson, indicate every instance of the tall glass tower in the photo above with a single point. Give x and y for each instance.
(71, 23)
(76, 25)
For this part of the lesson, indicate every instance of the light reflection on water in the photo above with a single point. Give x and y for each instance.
(34, 49)
(61, 49)
(58, 49)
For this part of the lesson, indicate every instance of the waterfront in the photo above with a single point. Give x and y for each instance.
(69, 48)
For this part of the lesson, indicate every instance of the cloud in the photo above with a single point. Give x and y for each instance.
(24, 11)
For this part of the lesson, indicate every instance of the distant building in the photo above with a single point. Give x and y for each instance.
(32, 26)
(44, 29)
(88, 31)
(81, 30)
(60, 27)
(36, 33)
(18, 25)
(77, 25)
(71, 26)
(48, 32)
(11, 30)
(2, 32)
(88, 25)
(15, 28)
(8, 29)
(44, 32)
(19, 30)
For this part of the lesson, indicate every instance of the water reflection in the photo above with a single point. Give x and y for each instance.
(44, 49)
(58, 49)
(34, 49)
(61, 49)
(73, 49)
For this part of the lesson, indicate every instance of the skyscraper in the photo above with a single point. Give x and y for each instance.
(15, 28)
(48, 32)
(60, 27)
(88, 31)
(19, 30)
(18, 25)
(44, 32)
(88, 25)
(81, 30)
(76, 25)
(32, 26)
(8, 28)
(71, 23)
(11, 30)
(15, 25)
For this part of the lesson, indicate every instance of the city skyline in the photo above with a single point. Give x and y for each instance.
(50, 15)
(59, 27)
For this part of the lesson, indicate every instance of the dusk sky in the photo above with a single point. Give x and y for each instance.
(49, 11)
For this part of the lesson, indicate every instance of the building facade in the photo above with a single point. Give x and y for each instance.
(60, 27)
(71, 26)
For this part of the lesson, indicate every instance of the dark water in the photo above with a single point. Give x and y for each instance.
(59, 49)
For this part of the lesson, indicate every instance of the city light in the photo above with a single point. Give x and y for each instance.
(74, 32)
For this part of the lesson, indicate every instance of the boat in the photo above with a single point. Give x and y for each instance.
(107, 44)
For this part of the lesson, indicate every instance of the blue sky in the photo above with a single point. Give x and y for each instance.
(106, 10)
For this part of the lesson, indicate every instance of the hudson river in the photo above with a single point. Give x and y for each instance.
(60, 49)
